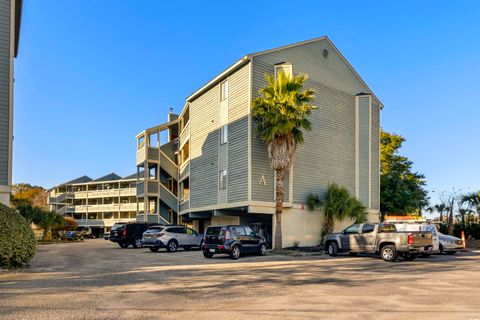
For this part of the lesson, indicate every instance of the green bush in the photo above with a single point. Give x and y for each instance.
(17, 240)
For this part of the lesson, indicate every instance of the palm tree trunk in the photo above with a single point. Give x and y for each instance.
(328, 225)
(450, 222)
(279, 192)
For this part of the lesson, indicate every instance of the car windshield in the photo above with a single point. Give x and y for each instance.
(213, 231)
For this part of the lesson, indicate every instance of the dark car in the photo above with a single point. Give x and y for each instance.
(232, 240)
(129, 234)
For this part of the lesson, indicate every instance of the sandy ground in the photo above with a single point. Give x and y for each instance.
(98, 280)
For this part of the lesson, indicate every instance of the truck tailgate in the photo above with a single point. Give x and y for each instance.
(421, 239)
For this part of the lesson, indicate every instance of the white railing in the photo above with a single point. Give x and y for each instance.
(109, 207)
(141, 155)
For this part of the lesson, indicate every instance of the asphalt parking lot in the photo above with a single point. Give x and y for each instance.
(97, 279)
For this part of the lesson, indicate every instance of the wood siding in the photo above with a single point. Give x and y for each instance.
(5, 59)
(238, 107)
(328, 154)
(363, 149)
(208, 156)
(375, 168)
(204, 146)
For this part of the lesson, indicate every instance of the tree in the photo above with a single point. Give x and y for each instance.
(472, 200)
(281, 115)
(450, 199)
(337, 205)
(24, 194)
(47, 220)
(402, 191)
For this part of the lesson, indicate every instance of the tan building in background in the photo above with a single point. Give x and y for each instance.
(99, 203)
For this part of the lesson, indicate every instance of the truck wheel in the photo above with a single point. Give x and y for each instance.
(410, 256)
(332, 249)
(388, 253)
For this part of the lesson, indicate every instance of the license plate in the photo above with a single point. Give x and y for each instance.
(212, 250)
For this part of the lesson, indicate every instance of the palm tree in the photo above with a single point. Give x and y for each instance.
(281, 114)
(440, 208)
(472, 200)
(48, 220)
(337, 205)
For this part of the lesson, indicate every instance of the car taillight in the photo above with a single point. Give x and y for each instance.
(124, 233)
(227, 235)
(410, 239)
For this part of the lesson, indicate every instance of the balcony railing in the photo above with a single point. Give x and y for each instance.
(147, 154)
(184, 135)
(108, 207)
(169, 198)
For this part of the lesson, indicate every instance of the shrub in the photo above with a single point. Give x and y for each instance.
(17, 241)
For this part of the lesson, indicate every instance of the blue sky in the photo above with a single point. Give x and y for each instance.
(90, 75)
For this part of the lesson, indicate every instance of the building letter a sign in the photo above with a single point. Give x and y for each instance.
(263, 181)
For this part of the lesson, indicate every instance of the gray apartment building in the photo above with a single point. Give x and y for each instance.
(207, 165)
(10, 15)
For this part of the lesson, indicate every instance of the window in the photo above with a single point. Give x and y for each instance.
(224, 90)
(285, 68)
(249, 232)
(387, 228)
(141, 142)
(367, 228)
(191, 232)
(353, 229)
(222, 183)
(238, 231)
(224, 134)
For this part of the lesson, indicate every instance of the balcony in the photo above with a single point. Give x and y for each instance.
(65, 210)
(108, 207)
(149, 189)
(101, 222)
(150, 154)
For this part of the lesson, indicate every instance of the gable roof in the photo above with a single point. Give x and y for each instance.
(81, 179)
(132, 176)
(108, 177)
(250, 56)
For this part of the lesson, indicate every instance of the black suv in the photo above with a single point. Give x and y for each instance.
(129, 234)
(232, 240)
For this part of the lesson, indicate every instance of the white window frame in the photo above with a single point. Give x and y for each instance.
(283, 66)
(222, 179)
(224, 134)
(224, 90)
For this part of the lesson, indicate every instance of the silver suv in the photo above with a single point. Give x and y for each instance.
(171, 238)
